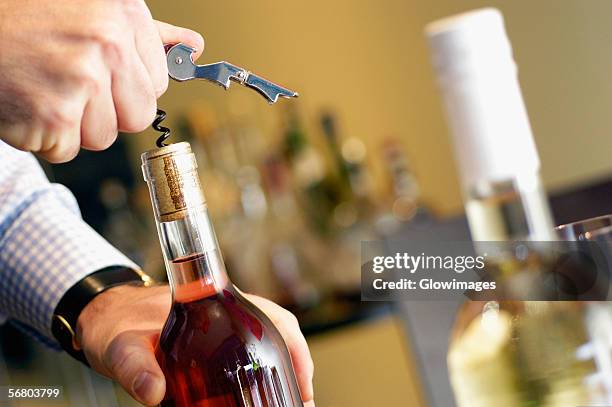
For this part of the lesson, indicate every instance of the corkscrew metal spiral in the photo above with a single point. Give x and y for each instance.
(160, 117)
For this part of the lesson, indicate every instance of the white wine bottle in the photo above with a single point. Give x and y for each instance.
(503, 353)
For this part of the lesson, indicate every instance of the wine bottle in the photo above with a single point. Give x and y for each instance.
(216, 348)
(355, 187)
(493, 142)
(329, 126)
(503, 353)
(404, 190)
(318, 192)
(293, 251)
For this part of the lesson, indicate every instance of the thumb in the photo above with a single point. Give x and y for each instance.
(130, 358)
(171, 34)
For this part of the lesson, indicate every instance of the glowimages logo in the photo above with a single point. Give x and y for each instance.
(519, 270)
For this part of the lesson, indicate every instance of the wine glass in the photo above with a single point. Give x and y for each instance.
(586, 229)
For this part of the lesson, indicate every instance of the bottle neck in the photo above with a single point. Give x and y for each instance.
(516, 209)
(193, 259)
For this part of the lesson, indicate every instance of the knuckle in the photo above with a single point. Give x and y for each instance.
(61, 116)
(60, 138)
(29, 143)
(310, 366)
(57, 156)
(113, 52)
(108, 32)
(98, 129)
(134, 8)
(72, 152)
(108, 139)
(48, 142)
(102, 141)
(106, 28)
(22, 139)
(139, 122)
(86, 80)
(75, 74)
(65, 151)
(129, 3)
(162, 86)
(52, 157)
(291, 319)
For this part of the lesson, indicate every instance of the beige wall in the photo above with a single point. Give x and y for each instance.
(368, 60)
(365, 365)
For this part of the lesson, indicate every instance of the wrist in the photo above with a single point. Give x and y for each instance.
(76, 299)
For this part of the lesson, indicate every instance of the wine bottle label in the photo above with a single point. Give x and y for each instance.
(173, 181)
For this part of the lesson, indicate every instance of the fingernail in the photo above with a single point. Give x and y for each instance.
(145, 386)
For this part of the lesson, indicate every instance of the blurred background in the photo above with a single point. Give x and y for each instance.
(363, 154)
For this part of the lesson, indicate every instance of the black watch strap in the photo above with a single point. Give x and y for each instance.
(79, 295)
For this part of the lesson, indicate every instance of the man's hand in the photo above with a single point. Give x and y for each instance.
(73, 72)
(120, 327)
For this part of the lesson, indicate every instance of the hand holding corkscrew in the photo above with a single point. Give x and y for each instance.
(181, 68)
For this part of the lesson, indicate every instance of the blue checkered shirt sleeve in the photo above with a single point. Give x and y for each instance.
(45, 246)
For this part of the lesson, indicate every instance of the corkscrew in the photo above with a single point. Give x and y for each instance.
(182, 68)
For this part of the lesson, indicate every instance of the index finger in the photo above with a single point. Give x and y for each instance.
(151, 50)
(171, 34)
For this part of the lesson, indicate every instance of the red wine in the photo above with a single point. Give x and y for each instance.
(218, 350)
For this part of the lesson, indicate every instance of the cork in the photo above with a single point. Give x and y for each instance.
(172, 176)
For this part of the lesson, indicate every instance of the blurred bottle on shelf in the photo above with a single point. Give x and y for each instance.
(405, 191)
(403, 204)
(294, 252)
(354, 154)
(273, 221)
(355, 211)
(235, 196)
(329, 127)
(245, 237)
(355, 181)
(291, 215)
(318, 192)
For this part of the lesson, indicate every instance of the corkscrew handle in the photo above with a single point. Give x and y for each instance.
(181, 68)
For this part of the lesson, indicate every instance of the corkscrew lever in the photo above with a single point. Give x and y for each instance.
(181, 68)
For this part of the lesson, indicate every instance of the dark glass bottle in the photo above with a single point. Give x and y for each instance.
(216, 348)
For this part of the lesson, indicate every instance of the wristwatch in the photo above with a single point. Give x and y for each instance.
(82, 293)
